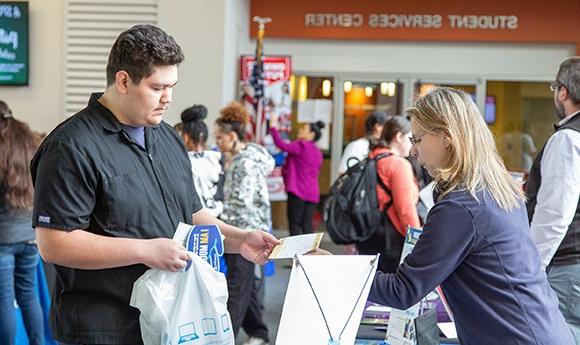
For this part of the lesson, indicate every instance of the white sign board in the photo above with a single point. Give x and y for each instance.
(312, 110)
(341, 283)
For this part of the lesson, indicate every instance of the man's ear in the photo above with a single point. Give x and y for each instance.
(121, 81)
(562, 94)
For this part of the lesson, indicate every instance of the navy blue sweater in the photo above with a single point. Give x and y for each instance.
(489, 270)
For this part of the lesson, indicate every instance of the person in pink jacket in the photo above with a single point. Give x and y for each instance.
(300, 173)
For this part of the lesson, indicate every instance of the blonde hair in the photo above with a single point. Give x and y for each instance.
(473, 163)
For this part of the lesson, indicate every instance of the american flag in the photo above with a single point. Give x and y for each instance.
(257, 80)
(259, 127)
(258, 101)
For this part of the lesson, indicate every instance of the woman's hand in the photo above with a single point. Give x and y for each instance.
(274, 120)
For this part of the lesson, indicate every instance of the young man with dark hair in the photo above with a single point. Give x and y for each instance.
(111, 184)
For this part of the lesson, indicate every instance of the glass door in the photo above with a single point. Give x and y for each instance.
(522, 121)
(361, 98)
(356, 97)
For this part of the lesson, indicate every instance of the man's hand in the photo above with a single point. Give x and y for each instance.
(256, 246)
(165, 254)
(84, 250)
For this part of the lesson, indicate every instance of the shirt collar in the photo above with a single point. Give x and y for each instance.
(567, 118)
(105, 116)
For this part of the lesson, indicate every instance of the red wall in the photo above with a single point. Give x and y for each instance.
(539, 21)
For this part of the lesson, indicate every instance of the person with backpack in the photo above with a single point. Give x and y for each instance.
(397, 193)
(300, 172)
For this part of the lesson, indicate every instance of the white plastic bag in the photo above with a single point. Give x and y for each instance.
(183, 307)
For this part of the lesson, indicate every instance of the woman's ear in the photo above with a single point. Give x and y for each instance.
(233, 136)
(447, 142)
(310, 132)
(378, 129)
(185, 138)
(399, 137)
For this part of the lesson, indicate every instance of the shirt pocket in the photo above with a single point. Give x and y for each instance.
(128, 207)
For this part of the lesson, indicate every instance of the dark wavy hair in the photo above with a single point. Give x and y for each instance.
(233, 118)
(18, 143)
(317, 127)
(139, 49)
(393, 125)
(193, 125)
(376, 118)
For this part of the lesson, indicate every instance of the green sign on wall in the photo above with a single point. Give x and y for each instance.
(14, 43)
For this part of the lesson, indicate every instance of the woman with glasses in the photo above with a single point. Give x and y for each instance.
(397, 193)
(476, 242)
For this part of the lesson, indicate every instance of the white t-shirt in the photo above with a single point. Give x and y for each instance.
(358, 149)
(559, 192)
(206, 170)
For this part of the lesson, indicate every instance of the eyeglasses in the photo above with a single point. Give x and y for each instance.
(416, 139)
(555, 86)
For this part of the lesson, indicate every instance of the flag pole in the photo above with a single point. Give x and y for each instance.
(258, 79)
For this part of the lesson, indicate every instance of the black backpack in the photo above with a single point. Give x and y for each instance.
(352, 212)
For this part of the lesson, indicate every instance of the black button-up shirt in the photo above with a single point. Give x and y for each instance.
(90, 175)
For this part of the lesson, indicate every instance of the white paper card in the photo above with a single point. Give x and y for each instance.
(338, 281)
(324, 110)
(401, 330)
(296, 245)
(448, 329)
(426, 196)
(312, 110)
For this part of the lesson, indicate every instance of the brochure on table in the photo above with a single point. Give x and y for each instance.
(401, 330)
